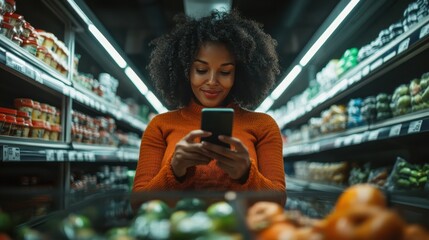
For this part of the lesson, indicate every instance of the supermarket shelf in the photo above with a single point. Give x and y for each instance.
(90, 99)
(20, 149)
(397, 49)
(413, 123)
(407, 198)
(19, 60)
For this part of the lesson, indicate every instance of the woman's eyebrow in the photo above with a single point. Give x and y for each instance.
(223, 64)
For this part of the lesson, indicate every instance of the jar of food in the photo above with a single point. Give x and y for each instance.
(2, 7)
(2, 120)
(37, 114)
(87, 136)
(8, 111)
(48, 58)
(24, 105)
(57, 116)
(41, 53)
(10, 6)
(47, 132)
(27, 128)
(48, 40)
(30, 45)
(9, 126)
(50, 117)
(17, 40)
(77, 134)
(44, 111)
(55, 132)
(27, 29)
(16, 20)
(19, 127)
(8, 30)
(54, 61)
(38, 129)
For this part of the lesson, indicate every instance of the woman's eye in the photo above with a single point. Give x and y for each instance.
(225, 73)
(201, 71)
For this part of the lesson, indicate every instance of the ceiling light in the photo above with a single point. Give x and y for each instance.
(328, 32)
(153, 100)
(265, 105)
(286, 82)
(108, 46)
(79, 11)
(135, 79)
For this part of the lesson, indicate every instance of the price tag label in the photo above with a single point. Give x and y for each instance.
(348, 140)
(395, 130)
(357, 138)
(50, 155)
(403, 45)
(365, 71)
(11, 153)
(338, 142)
(80, 156)
(72, 155)
(60, 155)
(38, 77)
(373, 135)
(424, 31)
(415, 126)
(376, 64)
(389, 56)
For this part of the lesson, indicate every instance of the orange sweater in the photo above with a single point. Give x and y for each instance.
(258, 132)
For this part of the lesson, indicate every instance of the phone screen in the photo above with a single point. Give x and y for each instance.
(218, 121)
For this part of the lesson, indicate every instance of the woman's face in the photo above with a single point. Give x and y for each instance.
(212, 74)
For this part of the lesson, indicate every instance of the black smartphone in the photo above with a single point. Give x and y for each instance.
(218, 121)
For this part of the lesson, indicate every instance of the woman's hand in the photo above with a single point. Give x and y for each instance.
(236, 162)
(189, 153)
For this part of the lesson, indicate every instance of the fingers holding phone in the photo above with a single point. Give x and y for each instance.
(189, 153)
(235, 162)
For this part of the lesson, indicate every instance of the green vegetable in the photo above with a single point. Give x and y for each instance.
(405, 170)
(190, 204)
(156, 209)
(403, 183)
(423, 180)
(382, 97)
(222, 215)
(382, 107)
(404, 101)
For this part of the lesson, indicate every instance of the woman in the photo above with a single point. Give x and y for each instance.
(221, 60)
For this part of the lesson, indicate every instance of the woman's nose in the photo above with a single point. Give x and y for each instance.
(212, 78)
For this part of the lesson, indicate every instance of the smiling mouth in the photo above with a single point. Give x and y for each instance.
(211, 94)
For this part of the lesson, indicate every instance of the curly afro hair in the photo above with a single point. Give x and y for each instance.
(256, 58)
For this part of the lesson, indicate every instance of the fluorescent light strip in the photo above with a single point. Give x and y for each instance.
(106, 44)
(79, 11)
(265, 105)
(135, 79)
(155, 102)
(286, 82)
(328, 32)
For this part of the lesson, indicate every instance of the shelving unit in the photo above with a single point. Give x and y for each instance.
(26, 76)
(380, 142)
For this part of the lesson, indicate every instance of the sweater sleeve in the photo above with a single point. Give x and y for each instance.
(267, 173)
(151, 173)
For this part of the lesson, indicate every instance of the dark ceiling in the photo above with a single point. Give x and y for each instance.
(133, 24)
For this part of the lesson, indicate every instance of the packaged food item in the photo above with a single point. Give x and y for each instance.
(27, 128)
(41, 53)
(30, 45)
(379, 176)
(44, 111)
(19, 127)
(18, 41)
(25, 105)
(8, 30)
(57, 116)
(48, 40)
(38, 129)
(382, 106)
(37, 113)
(55, 132)
(10, 6)
(9, 126)
(27, 30)
(408, 176)
(354, 113)
(401, 101)
(76, 134)
(2, 122)
(8, 111)
(50, 117)
(47, 132)
(359, 174)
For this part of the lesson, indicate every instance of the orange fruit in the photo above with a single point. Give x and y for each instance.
(360, 194)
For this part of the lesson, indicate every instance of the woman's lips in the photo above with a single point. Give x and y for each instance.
(211, 94)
